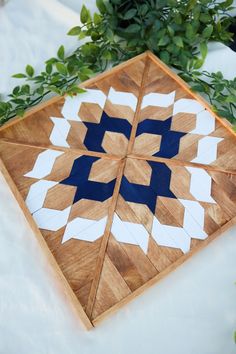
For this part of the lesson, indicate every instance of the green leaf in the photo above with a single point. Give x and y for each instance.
(178, 41)
(226, 3)
(87, 71)
(205, 18)
(84, 14)
(207, 31)
(82, 34)
(75, 31)
(19, 76)
(29, 70)
(101, 6)
(40, 90)
(130, 14)
(203, 50)
(61, 69)
(198, 63)
(16, 90)
(20, 112)
(61, 52)
(134, 28)
(163, 41)
(198, 88)
(109, 8)
(106, 55)
(178, 19)
(97, 19)
(18, 101)
(3, 107)
(189, 31)
(226, 114)
(25, 89)
(165, 56)
(171, 31)
(54, 89)
(95, 36)
(75, 90)
(143, 9)
(231, 99)
(49, 68)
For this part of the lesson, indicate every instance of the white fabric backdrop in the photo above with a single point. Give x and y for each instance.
(193, 310)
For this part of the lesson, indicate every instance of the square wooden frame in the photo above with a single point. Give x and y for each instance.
(82, 315)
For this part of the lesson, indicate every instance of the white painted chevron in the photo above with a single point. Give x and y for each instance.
(37, 194)
(59, 132)
(129, 232)
(51, 219)
(70, 110)
(123, 98)
(200, 184)
(72, 105)
(170, 236)
(85, 229)
(186, 105)
(194, 216)
(44, 164)
(205, 123)
(207, 150)
(158, 99)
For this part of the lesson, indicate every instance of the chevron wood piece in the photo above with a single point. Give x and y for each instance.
(122, 183)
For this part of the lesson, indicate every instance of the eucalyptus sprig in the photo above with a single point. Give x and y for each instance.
(61, 75)
(220, 92)
(176, 30)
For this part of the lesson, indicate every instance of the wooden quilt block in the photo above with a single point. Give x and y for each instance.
(123, 182)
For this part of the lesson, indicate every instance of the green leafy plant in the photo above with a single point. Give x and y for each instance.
(176, 30)
(220, 92)
(172, 29)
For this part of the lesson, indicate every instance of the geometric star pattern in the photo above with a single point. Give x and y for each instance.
(123, 182)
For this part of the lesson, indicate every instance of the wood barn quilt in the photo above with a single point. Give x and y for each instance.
(121, 183)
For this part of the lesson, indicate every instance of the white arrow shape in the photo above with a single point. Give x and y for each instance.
(128, 232)
(51, 219)
(186, 105)
(59, 132)
(200, 184)
(84, 229)
(207, 150)
(37, 194)
(170, 236)
(158, 99)
(123, 98)
(44, 164)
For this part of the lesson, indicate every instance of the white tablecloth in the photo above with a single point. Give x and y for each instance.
(193, 310)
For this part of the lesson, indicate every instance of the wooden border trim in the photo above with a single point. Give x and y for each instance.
(165, 272)
(58, 272)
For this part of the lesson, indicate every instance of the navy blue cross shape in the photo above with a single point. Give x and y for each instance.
(96, 131)
(86, 189)
(170, 139)
(159, 186)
